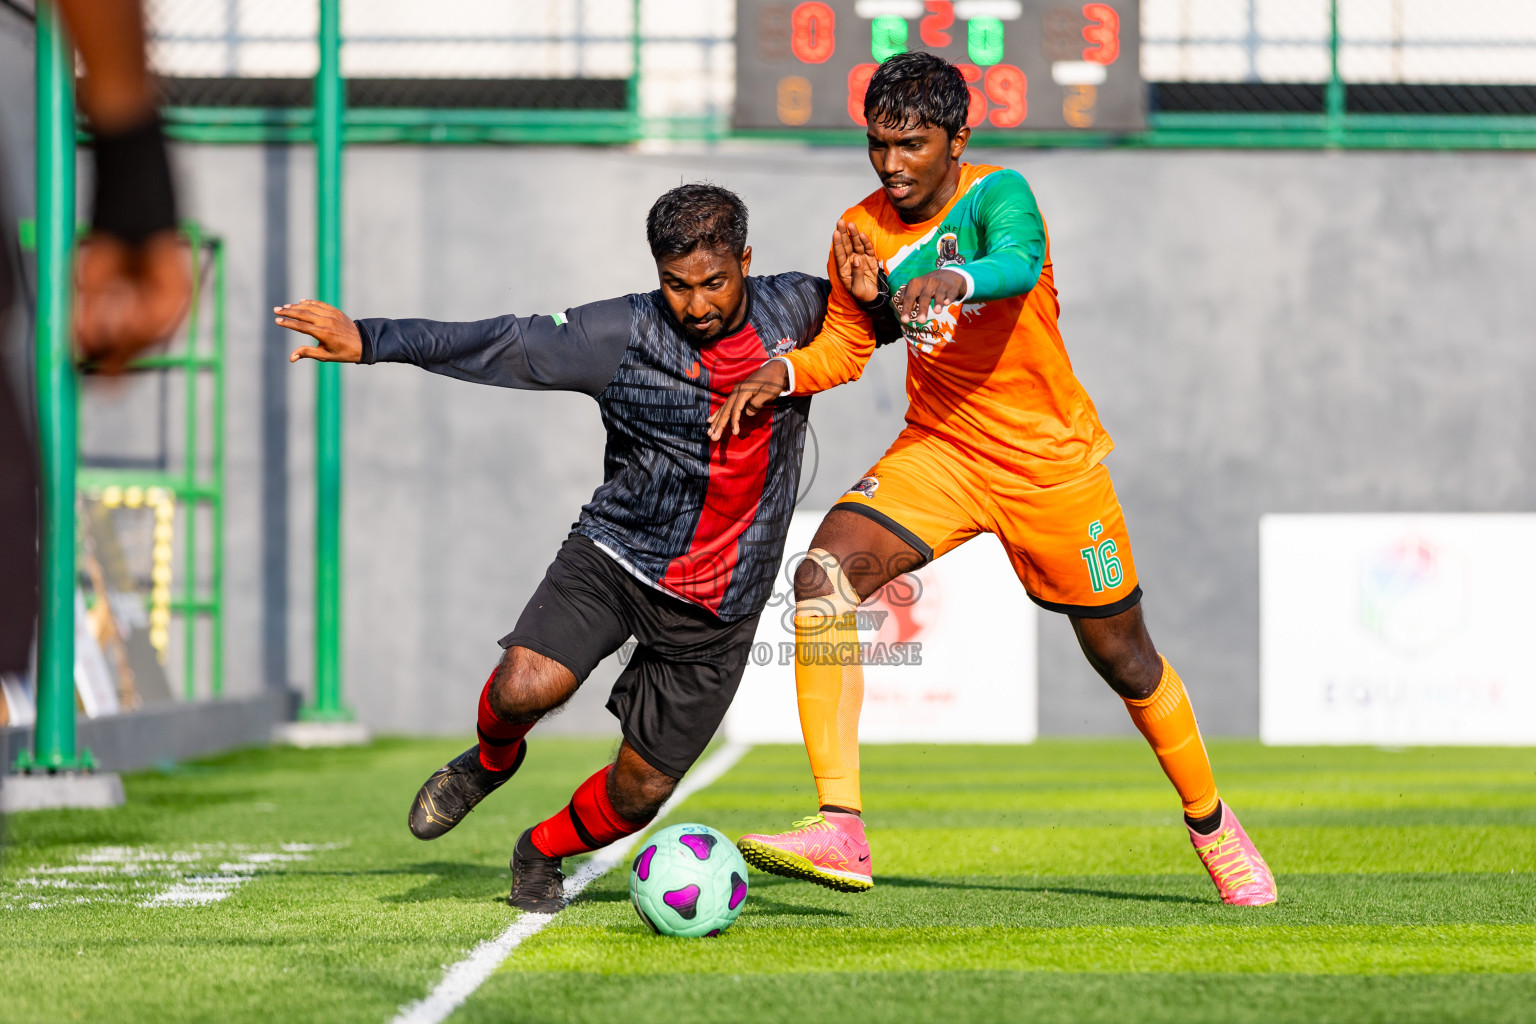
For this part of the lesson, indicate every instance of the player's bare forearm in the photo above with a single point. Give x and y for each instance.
(336, 336)
(133, 276)
(116, 92)
(748, 398)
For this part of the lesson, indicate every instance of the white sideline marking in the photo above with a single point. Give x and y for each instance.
(150, 876)
(460, 981)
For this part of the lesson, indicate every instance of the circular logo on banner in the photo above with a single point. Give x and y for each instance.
(1413, 594)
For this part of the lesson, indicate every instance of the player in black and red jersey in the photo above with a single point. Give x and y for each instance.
(679, 546)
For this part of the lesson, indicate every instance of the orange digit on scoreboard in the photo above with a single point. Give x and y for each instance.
(794, 100)
(812, 32)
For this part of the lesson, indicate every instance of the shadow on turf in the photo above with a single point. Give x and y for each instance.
(907, 882)
(450, 881)
(760, 903)
(459, 881)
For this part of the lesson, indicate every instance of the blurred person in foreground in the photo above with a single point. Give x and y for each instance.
(679, 546)
(133, 278)
(1001, 438)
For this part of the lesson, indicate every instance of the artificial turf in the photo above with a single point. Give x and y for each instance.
(1042, 883)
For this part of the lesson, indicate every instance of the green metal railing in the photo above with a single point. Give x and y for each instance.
(1165, 130)
(191, 488)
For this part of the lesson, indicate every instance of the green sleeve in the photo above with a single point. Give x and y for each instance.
(1013, 237)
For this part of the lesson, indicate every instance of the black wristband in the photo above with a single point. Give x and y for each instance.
(134, 198)
(882, 314)
(882, 299)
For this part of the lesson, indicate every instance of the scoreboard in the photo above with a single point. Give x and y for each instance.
(1032, 65)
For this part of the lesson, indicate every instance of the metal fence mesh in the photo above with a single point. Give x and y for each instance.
(1435, 56)
(258, 52)
(1410, 41)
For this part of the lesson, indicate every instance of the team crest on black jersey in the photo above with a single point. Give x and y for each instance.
(949, 250)
(782, 346)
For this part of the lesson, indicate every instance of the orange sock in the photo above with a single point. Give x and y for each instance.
(1168, 723)
(829, 684)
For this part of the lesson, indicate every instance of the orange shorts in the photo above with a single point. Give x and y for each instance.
(1067, 542)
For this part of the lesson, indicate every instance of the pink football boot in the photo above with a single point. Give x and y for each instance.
(833, 853)
(1241, 876)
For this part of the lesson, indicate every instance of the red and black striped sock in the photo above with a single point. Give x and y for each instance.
(499, 740)
(588, 822)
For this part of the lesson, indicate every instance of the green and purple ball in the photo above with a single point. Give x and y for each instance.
(688, 880)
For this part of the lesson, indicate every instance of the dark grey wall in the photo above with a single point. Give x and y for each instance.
(16, 174)
(1262, 332)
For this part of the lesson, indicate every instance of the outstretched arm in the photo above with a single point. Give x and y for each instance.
(579, 350)
(1014, 236)
(858, 318)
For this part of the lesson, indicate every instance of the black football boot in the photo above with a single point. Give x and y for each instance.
(538, 884)
(453, 790)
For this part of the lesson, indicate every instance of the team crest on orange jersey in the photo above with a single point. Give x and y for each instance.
(949, 251)
(867, 486)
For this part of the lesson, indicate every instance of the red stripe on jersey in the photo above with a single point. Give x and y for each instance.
(738, 472)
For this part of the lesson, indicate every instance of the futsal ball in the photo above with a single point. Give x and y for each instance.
(688, 880)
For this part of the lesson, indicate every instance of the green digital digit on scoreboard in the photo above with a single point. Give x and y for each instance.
(1031, 65)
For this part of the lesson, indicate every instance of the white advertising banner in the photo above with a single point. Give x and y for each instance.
(950, 655)
(1397, 629)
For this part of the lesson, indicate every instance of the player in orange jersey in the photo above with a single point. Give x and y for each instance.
(1001, 438)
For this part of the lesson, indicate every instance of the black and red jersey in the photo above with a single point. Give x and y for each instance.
(702, 520)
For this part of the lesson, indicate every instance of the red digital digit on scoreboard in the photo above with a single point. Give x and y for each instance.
(978, 111)
(1103, 31)
(941, 15)
(812, 32)
(858, 85)
(1008, 87)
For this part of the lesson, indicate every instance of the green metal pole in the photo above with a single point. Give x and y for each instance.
(188, 502)
(634, 66)
(216, 678)
(329, 118)
(53, 741)
(1333, 98)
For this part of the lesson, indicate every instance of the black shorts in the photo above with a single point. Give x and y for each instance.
(682, 673)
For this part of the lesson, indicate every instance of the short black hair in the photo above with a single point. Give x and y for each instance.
(697, 216)
(914, 89)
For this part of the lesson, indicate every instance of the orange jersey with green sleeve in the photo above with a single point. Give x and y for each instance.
(990, 373)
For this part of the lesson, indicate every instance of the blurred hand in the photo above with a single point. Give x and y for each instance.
(128, 298)
(920, 296)
(748, 398)
(857, 266)
(338, 337)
